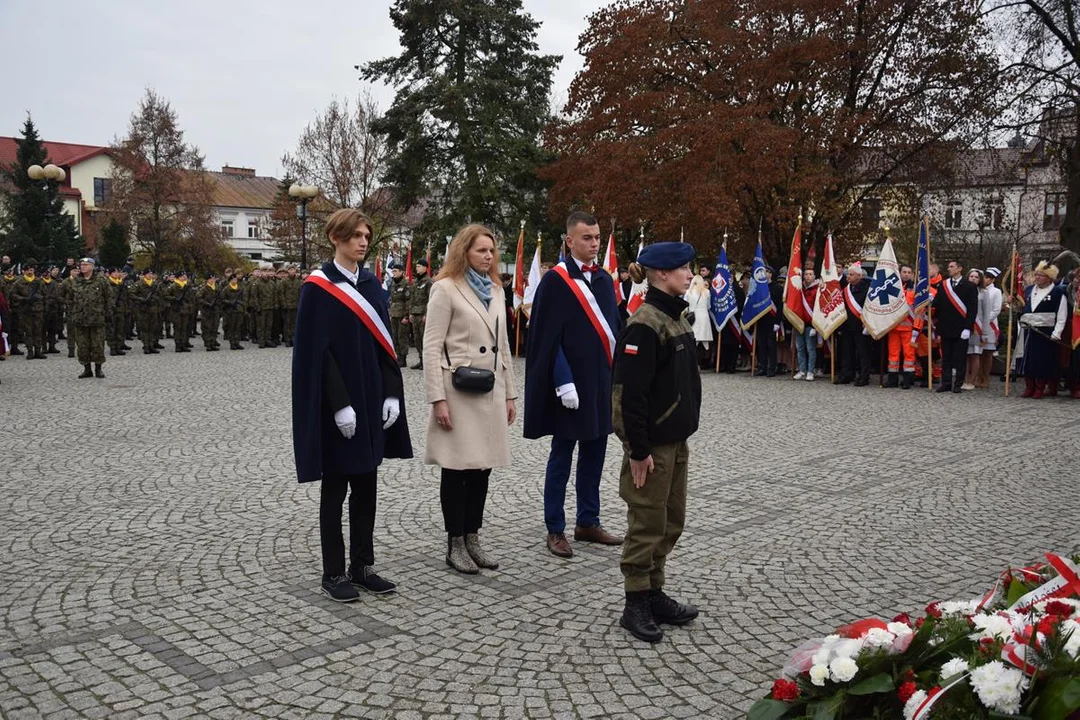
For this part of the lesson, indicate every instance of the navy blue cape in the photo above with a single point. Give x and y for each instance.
(368, 374)
(558, 323)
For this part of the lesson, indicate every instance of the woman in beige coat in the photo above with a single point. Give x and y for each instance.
(467, 433)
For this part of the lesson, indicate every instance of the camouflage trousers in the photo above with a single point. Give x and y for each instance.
(90, 342)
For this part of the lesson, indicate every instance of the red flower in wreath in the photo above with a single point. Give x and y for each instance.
(785, 690)
(933, 610)
(905, 691)
(1061, 609)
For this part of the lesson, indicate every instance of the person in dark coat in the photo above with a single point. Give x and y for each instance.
(855, 345)
(956, 307)
(572, 334)
(1045, 319)
(772, 327)
(348, 402)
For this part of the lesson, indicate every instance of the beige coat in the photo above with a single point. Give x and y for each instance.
(458, 321)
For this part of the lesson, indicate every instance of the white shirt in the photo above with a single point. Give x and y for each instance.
(1037, 296)
(580, 263)
(350, 276)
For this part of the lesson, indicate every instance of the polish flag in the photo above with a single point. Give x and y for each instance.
(611, 265)
(637, 290)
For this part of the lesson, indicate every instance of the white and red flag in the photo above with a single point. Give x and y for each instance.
(532, 282)
(886, 302)
(829, 311)
(519, 270)
(637, 290)
(795, 309)
(611, 267)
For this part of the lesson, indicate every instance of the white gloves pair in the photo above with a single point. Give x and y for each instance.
(813, 332)
(965, 334)
(568, 396)
(345, 418)
(914, 337)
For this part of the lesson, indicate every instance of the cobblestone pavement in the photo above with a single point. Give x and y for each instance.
(159, 559)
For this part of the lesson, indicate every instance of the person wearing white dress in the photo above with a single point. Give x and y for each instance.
(699, 300)
(990, 307)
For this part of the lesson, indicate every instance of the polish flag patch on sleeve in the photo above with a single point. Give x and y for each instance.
(631, 349)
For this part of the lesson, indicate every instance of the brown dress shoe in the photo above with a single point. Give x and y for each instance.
(596, 534)
(557, 544)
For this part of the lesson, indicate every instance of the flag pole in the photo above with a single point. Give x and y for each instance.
(832, 359)
(753, 352)
(1008, 342)
(719, 345)
(930, 349)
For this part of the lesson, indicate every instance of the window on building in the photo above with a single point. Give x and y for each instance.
(102, 190)
(227, 228)
(993, 215)
(255, 256)
(871, 213)
(1055, 211)
(253, 230)
(954, 215)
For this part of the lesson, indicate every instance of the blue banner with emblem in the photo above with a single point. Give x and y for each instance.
(922, 265)
(758, 300)
(723, 305)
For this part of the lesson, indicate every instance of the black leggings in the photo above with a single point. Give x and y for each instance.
(463, 494)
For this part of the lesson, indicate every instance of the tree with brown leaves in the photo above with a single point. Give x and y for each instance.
(161, 191)
(708, 114)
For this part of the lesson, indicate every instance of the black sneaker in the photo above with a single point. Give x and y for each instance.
(369, 580)
(339, 589)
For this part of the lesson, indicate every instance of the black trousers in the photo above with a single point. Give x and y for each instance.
(361, 521)
(766, 348)
(854, 355)
(463, 494)
(953, 357)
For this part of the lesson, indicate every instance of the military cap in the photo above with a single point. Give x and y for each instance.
(90, 260)
(666, 255)
(422, 261)
(770, 269)
(393, 265)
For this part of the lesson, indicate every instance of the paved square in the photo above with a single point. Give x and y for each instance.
(159, 559)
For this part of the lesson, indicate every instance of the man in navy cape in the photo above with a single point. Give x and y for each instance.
(572, 332)
(347, 401)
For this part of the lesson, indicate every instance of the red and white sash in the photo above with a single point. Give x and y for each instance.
(852, 303)
(954, 298)
(592, 309)
(351, 298)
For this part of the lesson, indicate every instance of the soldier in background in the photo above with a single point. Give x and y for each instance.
(115, 331)
(232, 302)
(418, 302)
(165, 315)
(262, 291)
(91, 313)
(146, 306)
(209, 315)
(251, 326)
(277, 328)
(27, 301)
(290, 299)
(66, 288)
(7, 286)
(54, 309)
(400, 291)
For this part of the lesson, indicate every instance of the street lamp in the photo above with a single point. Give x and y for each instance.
(44, 175)
(303, 193)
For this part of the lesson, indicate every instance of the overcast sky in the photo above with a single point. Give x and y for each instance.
(244, 76)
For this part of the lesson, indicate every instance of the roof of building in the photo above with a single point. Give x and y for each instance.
(243, 190)
(64, 154)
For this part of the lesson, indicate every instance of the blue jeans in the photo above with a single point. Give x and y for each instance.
(806, 347)
(589, 466)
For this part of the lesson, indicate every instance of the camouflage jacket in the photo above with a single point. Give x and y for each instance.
(232, 299)
(400, 291)
(290, 292)
(145, 298)
(53, 290)
(208, 299)
(180, 299)
(418, 297)
(90, 302)
(119, 299)
(27, 296)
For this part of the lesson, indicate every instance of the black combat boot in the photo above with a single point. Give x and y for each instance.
(15, 350)
(71, 352)
(113, 352)
(97, 371)
(419, 365)
(671, 612)
(86, 372)
(637, 617)
(892, 380)
(907, 380)
(52, 349)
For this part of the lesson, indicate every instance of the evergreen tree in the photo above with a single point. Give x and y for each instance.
(40, 229)
(472, 99)
(114, 250)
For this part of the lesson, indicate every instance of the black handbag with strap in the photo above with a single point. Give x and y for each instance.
(475, 380)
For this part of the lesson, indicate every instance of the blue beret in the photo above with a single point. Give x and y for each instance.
(667, 255)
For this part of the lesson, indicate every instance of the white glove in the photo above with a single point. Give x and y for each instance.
(914, 337)
(1056, 337)
(813, 332)
(776, 328)
(965, 335)
(865, 331)
(345, 419)
(391, 409)
(567, 394)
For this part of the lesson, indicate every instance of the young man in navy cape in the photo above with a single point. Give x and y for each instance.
(348, 402)
(572, 332)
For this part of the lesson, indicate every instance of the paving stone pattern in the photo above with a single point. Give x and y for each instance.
(160, 561)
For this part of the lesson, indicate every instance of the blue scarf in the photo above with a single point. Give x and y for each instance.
(481, 285)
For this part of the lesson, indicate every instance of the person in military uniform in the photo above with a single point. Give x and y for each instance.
(277, 328)
(66, 288)
(400, 292)
(656, 405)
(180, 297)
(91, 309)
(418, 302)
(232, 301)
(146, 305)
(207, 299)
(54, 309)
(28, 306)
(290, 299)
(262, 299)
(118, 301)
(7, 286)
